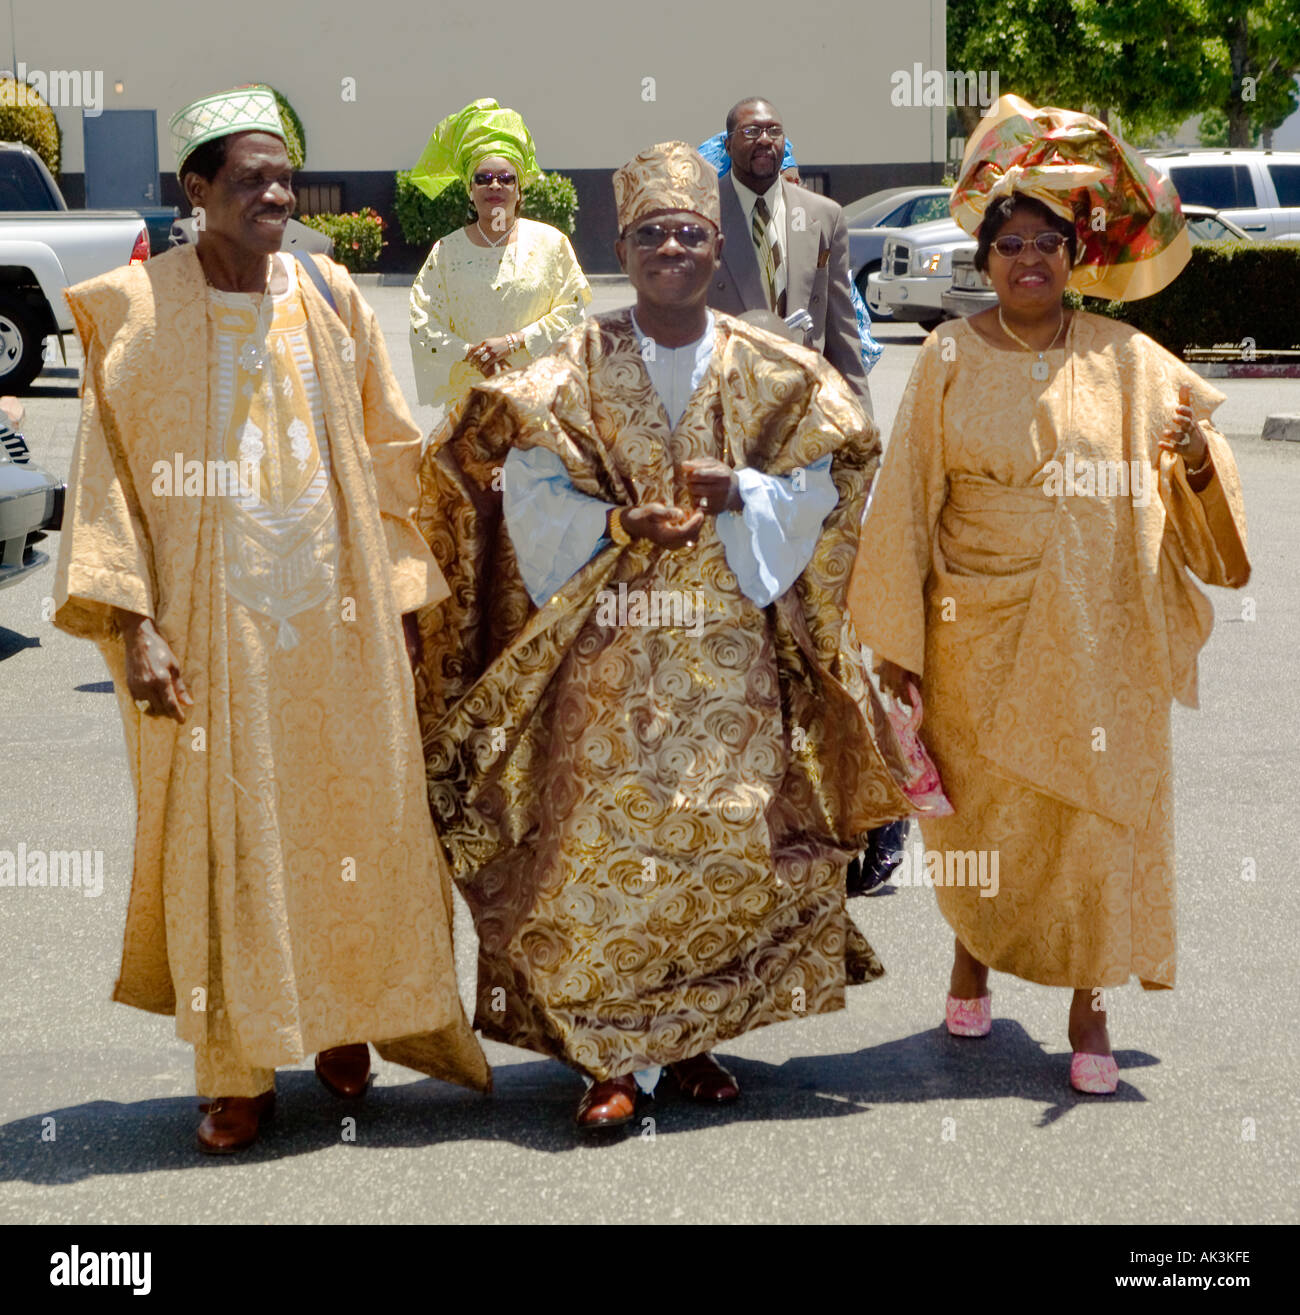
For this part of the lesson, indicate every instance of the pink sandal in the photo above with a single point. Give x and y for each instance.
(1094, 1075)
(970, 1017)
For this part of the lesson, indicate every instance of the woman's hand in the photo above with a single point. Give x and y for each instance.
(669, 527)
(713, 485)
(491, 355)
(1184, 436)
(152, 673)
(894, 680)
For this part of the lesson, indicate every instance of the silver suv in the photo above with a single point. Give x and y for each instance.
(1257, 190)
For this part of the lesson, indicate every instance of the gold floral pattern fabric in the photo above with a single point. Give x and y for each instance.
(1052, 633)
(288, 892)
(650, 825)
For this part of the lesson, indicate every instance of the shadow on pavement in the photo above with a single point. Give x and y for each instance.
(533, 1107)
(12, 641)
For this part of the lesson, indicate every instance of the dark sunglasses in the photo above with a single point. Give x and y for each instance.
(1012, 245)
(486, 178)
(650, 237)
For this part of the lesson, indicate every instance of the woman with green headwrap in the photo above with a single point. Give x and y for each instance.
(498, 292)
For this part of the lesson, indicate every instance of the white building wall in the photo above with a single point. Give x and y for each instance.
(596, 80)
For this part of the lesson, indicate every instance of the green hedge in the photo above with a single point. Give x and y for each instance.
(25, 117)
(295, 135)
(1228, 292)
(552, 200)
(358, 237)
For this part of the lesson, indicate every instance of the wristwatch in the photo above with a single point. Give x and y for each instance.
(616, 530)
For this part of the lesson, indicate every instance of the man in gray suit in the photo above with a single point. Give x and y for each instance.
(786, 249)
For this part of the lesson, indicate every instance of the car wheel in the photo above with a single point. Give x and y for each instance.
(879, 310)
(21, 345)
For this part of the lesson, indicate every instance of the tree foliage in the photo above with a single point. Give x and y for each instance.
(25, 117)
(1151, 63)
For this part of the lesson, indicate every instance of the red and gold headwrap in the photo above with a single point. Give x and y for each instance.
(670, 176)
(1132, 236)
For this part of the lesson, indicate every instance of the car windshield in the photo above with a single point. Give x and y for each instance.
(1204, 228)
(929, 207)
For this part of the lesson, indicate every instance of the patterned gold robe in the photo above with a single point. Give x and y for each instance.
(288, 892)
(651, 828)
(1052, 633)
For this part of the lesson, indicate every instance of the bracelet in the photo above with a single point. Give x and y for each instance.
(616, 530)
(1202, 468)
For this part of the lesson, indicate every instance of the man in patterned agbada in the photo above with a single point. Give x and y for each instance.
(288, 895)
(649, 746)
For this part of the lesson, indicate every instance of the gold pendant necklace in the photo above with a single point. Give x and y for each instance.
(1039, 369)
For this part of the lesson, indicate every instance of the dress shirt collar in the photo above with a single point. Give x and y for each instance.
(774, 196)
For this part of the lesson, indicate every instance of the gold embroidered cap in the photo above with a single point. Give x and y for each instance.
(669, 176)
(241, 109)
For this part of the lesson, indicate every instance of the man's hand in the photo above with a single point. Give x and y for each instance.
(489, 357)
(414, 644)
(669, 527)
(713, 485)
(152, 673)
(894, 680)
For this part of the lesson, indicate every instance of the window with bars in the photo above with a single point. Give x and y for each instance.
(320, 198)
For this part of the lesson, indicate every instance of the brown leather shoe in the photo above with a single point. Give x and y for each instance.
(345, 1070)
(608, 1104)
(702, 1078)
(233, 1122)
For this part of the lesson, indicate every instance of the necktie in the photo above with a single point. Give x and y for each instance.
(768, 246)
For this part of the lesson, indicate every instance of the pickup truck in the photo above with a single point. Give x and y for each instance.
(45, 248)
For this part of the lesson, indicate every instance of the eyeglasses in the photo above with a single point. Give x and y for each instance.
(1012, 245)
(650, 237)
(751, 132)
(486, 178)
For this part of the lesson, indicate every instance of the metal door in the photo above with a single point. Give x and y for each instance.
(121, 149)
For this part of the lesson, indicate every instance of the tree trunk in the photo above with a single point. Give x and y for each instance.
(1238, 110)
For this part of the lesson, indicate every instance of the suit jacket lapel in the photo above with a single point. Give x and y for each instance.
(738, 255)
(801, 246)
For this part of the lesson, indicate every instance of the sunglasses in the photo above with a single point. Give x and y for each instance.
(1012, 245)
(650, 237)
(487, 177)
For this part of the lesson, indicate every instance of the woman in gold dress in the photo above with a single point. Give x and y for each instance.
(1052, 484)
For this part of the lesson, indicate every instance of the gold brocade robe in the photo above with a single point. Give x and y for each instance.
(1053, 627)
(651, 827)
(288, 891)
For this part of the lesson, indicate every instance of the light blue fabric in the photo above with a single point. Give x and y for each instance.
(871, 350)
(773, 539)
(676, 372)
(555, 529)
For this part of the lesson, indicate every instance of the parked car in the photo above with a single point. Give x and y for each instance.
(969, 291)
(915, 270)
(45, 248)
(875, 218)
(1257, 190)
(31, 500)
